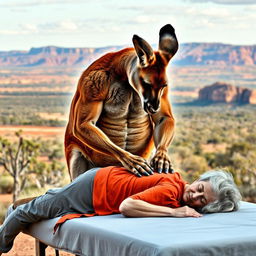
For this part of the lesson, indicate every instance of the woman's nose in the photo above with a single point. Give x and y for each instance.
(197, 195)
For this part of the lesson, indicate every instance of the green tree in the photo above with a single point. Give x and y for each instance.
(15, 159)
(48, 173)
(21, 160)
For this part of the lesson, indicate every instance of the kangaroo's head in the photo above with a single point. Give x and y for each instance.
(148, 76)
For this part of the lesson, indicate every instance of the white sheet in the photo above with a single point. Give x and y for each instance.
(213, 234)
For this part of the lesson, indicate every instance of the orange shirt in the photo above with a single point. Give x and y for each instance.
(114, 184)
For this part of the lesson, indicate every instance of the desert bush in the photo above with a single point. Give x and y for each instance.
(194, 163)
(233, 128)
(6, 184)
(15, 158)
(21, 159)
(3, 210)
(51, 173)
(248, 193)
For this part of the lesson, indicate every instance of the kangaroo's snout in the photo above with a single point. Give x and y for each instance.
(151, 108)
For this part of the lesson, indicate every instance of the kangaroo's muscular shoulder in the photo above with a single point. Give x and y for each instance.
(97, 78)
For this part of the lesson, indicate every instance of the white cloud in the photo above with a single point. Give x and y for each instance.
(113, 22)
(208, 17)
(27, 28)
(58, 27)
(228, 2)
(11, 32)
(67, 25)
(216, 12)
(24, 29)
(211, 12)
(155, 9)
(40, 2)
(116, 29)
(251, 9)
(203, 23)
(144, 19)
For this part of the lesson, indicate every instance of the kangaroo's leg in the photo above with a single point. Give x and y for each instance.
(79, 164)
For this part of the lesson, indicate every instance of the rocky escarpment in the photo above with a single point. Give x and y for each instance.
(188, 54)
(216, 54)
(52, 56)
(226, 93)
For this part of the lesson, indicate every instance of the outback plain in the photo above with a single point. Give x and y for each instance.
(34, 107)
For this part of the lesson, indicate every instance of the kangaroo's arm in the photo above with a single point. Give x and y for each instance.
(87, 110)
(163, 134)
(85, 130)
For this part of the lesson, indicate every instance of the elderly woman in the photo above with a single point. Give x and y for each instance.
(103, 191)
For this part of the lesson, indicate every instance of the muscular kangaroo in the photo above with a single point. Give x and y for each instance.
(121, 111)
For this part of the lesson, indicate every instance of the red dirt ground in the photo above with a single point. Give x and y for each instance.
(24, 245)
(32, 131)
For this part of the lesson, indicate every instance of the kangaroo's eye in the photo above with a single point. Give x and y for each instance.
(146, 84)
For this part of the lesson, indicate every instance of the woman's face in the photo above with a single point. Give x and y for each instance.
(198, 194)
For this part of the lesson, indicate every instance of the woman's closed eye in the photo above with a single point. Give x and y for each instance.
(201, 188)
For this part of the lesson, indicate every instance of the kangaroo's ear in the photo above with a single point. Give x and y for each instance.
(168, 43)
(144, 51)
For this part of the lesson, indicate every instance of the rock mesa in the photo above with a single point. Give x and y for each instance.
(227, 93)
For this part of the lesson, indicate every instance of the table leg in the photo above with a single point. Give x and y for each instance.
(57, 252)
(40, 248)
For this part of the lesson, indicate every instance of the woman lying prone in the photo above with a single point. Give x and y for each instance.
(109, 190)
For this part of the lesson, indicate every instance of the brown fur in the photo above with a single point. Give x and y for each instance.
(107, 123)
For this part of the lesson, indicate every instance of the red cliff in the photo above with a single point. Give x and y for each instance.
(227, 93)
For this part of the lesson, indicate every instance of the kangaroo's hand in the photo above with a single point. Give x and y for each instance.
(136, 165)
(161, 162)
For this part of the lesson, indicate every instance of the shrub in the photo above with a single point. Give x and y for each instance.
(3, 210)
(6, 184)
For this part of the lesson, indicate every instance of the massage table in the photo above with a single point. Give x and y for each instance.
(232, 234)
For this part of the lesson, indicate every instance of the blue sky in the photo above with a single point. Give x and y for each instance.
(97, 23)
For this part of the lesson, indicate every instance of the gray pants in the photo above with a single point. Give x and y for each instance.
(73, 198)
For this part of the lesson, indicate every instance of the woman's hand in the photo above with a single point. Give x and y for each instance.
(185, 211)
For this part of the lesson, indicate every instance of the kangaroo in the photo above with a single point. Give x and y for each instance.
(120, 112)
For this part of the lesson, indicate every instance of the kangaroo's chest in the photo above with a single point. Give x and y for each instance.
(124, 121)
(122, 102)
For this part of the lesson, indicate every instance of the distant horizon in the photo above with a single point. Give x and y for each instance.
(124, 45)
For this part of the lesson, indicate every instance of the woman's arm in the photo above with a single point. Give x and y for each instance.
(138, 208)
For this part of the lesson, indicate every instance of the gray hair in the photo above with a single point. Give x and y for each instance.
(223, 185)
